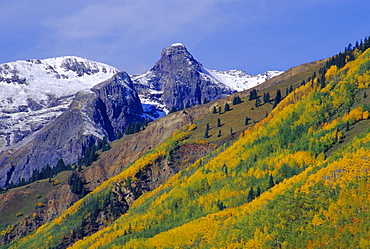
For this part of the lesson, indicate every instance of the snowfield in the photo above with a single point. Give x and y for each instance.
(35, 92)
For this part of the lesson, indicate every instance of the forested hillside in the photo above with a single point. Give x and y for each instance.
(293, 174)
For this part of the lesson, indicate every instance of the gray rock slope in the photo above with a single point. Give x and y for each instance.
(178, 80)
(94, 114)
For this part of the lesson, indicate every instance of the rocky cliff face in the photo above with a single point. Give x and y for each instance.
(34, 92)
(178, 80)
(94, 114)
(120, 103)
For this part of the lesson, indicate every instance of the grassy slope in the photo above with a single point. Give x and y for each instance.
(21, 202)
(205, 187)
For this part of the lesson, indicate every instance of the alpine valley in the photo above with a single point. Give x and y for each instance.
(185, 157)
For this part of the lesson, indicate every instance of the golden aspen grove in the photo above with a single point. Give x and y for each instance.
(298, 177)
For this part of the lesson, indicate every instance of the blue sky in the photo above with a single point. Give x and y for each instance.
(252, 35)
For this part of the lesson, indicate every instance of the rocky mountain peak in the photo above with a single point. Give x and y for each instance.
(102, 111)
(178, 80)
(175, 58)
(35, 92)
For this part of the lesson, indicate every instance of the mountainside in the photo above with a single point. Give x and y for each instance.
(94, 114)
(179, 81)
(124, 151)
(298, 178)
(35, 92)
(283, 165)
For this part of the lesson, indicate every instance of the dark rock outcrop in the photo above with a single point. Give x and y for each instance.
(180, 80)
(94, 114)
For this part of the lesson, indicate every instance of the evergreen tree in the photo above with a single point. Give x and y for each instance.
(173, 109)
(207, 126)
(277, 98)
(206, 135)
(258, 193)
(266, 98)
(271, 181)
(231, 132)
(90, 156)
(219, 110)
(218, 122)
(227, 107)
(60, 165)
(314, 75)
(220, 205)
(347, 126)
(106, 145)
(119, 134)
(219, 133)
(250, 195)
(246, 120)
(236, 100)
(214, 111)
(224, 169)
(253, 94)
(258, 102)
(77, 185)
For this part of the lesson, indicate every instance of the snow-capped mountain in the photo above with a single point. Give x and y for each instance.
(35, 92)
(239, 80)
(100, 112)
(178, 80)
(58, 108)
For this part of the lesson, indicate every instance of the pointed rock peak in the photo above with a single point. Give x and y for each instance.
(176, 56)
(176, 48)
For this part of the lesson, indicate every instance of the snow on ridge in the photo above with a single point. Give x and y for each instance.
(35, 92)
(239, 80)
(41, 79)
(143, 79)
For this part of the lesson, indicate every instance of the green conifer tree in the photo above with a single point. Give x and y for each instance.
(227, 107)
(250, 195)
(214, 111)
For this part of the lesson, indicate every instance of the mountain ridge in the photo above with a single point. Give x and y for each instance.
(178, 80)
(51, 87)
(283, 182)
(35, 92)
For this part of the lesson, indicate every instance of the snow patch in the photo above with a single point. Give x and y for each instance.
(177, 45)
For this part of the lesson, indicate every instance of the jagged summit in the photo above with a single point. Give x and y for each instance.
(34, 92)
(176, 57)
(178, 80)
(103, 111)
(46, 96)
